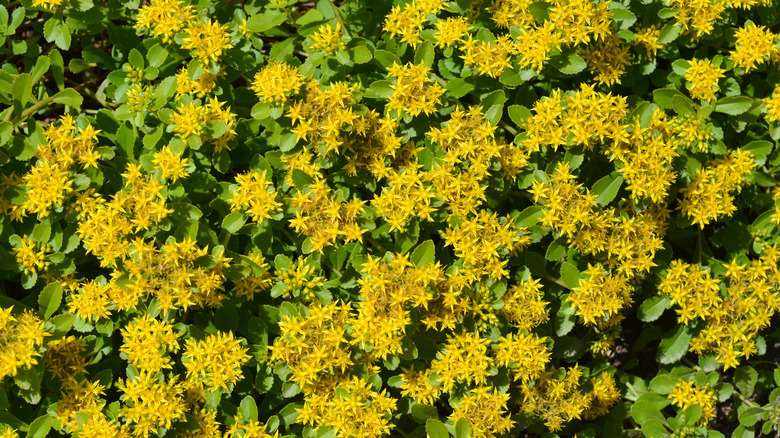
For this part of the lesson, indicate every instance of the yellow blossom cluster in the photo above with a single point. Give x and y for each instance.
(146, 342)
(163, 19)
(323, 219)
(327, 38)
(703, 76)
(254, 194)
(710, 193)
(488, 57)
(686, 394)
(321, 115)
(585, 117)
(215, 361)
(275, 81)
(483, 241)
(388, 291)
(172, 275)
(21, 339)
(413, 91)
(600, 296)
(755, 45)
(352, 409)
(732, 319)
(407, 21)
(485, 410)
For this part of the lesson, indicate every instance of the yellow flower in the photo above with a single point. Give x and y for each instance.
(275, 81)
(754, 46)
(215, 362)
(686, 394)
(486, 411)
(413, 91)
(489, 58)
(772, 104)
(328, 39)
(164, 18)
(254, 193)
(207, 40)
(450, 31)
(169, 164)
(702, 77)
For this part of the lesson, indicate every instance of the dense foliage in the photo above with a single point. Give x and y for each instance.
(363, 218)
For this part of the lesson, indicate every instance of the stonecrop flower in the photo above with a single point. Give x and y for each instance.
(702, 77)
(328, 39)
(276, 81)
(21, 339)
(489, 58)
(686, 394)
(413, 91)
(710, 194)
(206, 40)
(450, 31)
(754, 46)
(214, 362)
(254, 194)
(164, 18)
(772, 104)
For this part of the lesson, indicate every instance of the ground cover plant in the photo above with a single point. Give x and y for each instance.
(371, 218)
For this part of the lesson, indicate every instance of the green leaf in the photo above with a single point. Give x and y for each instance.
(6, 130)
(424, 54)
(21, 90)
(283, 50)
(664, 97)
(623, 17)
(248, 408)
(301, 179)
(40, 427)
(266, 21)
(436, 429)
(424, 254)
(734, 105)
(385, 58)
(69, 97)
(462, 428)
(41, 233)
(556, 250)
(683, 106)
(564, 318)
(234, 221)
(669, 33)
(41, 67)
(674, 345)
(136, 59)
(422, 412)
(745, 379)
(653, 307)
(607, 188)
(49, 300)
(759, 147)
(381, 89)
(663, 384)
(648, 407)
(458, 87)
(157, 55)
(361, 54)
(570, 275)
(569, 64)
(519, 114)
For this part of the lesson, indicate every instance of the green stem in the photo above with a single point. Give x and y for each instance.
(698, 245)
(338, 17)
(557, 281)
(508, 127)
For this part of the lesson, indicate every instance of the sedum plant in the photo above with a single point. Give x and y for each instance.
(422, 218)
